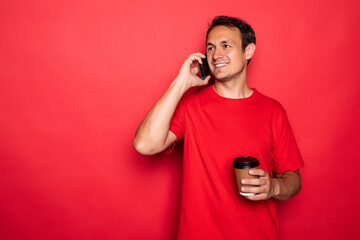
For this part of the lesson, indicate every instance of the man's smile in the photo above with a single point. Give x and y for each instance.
(220, 65)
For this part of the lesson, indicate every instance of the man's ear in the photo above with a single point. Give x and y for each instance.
(250, 50)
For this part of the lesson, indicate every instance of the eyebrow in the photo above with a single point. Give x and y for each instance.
(223, 41)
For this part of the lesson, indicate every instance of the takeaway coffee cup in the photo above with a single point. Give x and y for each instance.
(242, 166)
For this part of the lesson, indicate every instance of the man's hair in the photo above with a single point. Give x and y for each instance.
(247, 33)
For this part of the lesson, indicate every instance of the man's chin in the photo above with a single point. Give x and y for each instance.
(220, 77)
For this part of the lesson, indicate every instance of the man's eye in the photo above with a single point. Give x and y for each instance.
(226, 46)
(210, 48)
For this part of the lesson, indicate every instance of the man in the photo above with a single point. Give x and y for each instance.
(220, 122)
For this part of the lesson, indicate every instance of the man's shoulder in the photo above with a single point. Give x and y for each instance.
(196, 94)
(269, 102)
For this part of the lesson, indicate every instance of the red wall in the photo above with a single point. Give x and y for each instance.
(77, 77)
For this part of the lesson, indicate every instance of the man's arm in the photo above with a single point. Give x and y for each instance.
(286, 185)
(153, 135)
(283, 187)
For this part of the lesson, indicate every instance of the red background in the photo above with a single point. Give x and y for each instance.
(77, 77)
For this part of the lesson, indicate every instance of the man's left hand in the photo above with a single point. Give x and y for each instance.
(264, 187)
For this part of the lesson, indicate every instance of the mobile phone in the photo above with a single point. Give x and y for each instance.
(204, 70)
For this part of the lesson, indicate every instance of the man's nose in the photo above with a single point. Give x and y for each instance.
(217, 54)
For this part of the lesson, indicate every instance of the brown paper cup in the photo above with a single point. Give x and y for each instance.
(242, 166)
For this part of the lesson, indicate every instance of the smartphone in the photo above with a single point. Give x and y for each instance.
(204, 70)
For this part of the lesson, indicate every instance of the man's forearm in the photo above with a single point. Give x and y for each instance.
(153, 130)
(286, 185)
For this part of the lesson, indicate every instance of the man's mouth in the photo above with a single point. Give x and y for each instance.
(219, 65)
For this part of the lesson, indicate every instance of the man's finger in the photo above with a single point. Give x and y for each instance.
(196, 57)
(255, 181)
(206, 80)
(249, 189)
(257, 197)
(258, 172)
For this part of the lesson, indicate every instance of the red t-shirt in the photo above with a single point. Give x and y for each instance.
(215, 131)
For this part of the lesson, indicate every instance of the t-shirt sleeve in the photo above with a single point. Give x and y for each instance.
(286, 154)
(177, 124)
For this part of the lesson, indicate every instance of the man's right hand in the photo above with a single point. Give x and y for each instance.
(188, 71)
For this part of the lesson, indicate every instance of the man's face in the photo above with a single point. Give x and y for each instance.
(225, 56)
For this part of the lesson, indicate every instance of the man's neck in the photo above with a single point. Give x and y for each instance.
(233, 88)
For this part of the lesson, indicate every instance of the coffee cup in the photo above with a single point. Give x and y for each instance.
(242, 166)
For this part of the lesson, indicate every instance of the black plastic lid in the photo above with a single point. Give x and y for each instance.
(245, 162)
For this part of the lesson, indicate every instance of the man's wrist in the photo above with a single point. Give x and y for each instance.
(180, 84)
(275, 187)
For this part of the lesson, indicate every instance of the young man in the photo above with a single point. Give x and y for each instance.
(223, 121)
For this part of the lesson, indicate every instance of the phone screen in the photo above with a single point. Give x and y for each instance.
(204, 70)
